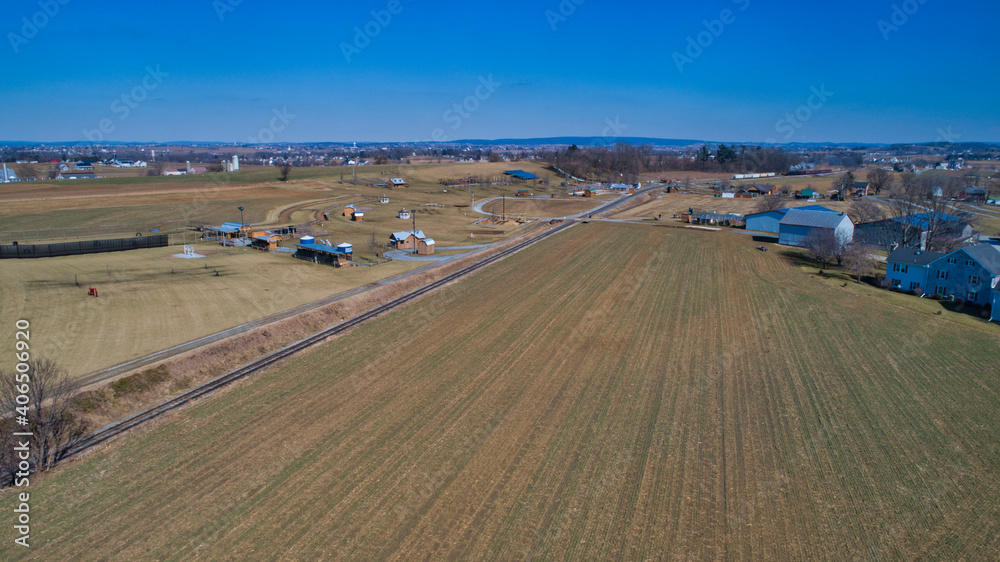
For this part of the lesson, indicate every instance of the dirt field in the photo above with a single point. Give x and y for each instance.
(543, 208)
(691, 398)
(143, 307)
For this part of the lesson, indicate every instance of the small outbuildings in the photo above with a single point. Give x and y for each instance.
(403, 214)
(425, 246)
(266, 240)
(229, 231)
(358, 216)
(398, 183)
(349, 210)
(383, 200)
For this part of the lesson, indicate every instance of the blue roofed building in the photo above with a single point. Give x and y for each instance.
(521, 175)
(907, 269)
(966, 274)
(799, 225)
(913, 231)
(768, 221)
(229, 231)
(324, 252)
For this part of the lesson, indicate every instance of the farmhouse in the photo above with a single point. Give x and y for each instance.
(966, 273)
(324, 252)
(266, 240)
(768, 220)
(995, 308)
(973, 194)
(912, 231)
(861, 188)
(397, 183)
(406, 240)
(798, 225)
(906, 269)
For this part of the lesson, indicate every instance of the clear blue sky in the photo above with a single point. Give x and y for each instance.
(270, 70)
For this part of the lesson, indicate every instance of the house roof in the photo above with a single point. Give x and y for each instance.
(404, 234)
(975, 191)
(815, 219)
(913, 256)
(987, 255)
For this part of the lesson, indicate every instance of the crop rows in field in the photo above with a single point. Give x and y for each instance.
(617, 391)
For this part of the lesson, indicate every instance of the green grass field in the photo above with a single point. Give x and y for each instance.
(618, 391)
(143, 307)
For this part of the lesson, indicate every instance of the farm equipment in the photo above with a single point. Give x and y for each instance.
(762, 248)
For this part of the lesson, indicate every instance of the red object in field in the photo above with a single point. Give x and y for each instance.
(92, 292)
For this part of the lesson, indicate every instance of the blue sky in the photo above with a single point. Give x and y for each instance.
(725, 70)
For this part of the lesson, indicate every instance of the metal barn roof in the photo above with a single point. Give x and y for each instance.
(815, 219)
(521, 174)
(785, 211)
(403, 235)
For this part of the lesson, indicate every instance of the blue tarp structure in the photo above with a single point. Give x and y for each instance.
(521, 174)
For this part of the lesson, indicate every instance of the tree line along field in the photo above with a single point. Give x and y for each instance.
(150, 301)
(617, 391)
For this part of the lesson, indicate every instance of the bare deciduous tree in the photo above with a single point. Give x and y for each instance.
(879, 179)
(769, 203)
(284, 170)
(824, 247)
(859, 260)
(50, 421)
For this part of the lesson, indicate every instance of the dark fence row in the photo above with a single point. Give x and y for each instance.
(85, 247)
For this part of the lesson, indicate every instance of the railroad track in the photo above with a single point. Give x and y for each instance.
(113, 430)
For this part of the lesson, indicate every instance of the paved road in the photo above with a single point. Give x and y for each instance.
(408, 255)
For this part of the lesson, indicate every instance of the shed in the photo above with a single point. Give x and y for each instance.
(229, 230)
(425, 246)
(266, 240)
(523, 193)
(403, 214)
(384, 199)
(349, 210)
(798, 225)
(358, 216)
(397, 183)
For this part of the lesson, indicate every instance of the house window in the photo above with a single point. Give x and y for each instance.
(973, 295)
(895, 267)
(952, 260)
(970, 263)
(914, 286)
(904, 268)
(941, 291)
(973, 279)
(942, 274)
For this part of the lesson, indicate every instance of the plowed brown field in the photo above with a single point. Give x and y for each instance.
(615, 392)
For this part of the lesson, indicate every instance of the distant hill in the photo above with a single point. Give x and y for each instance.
(581, 141)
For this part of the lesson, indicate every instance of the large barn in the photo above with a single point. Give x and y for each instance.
(798, 226)
(768, 220)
